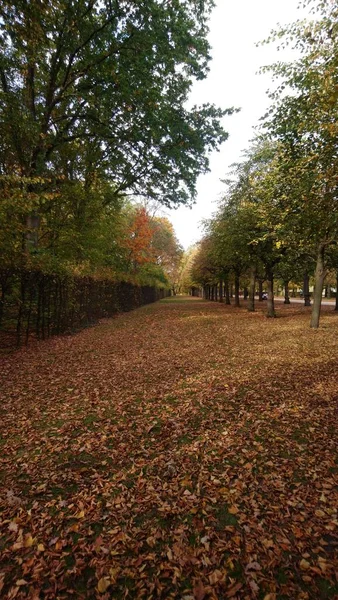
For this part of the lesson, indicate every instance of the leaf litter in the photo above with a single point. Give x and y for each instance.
(185, 450)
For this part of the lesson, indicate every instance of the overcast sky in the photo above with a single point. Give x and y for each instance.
(235, 27)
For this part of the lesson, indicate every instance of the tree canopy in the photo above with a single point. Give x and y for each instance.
(99, 89)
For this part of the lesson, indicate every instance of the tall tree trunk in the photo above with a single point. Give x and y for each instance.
(306, 290)
(336, 305)
(271, 302)
(237, 290)
(286, 293)
(2, 298)
(251, 303)
(221, 290)
(318, 291)
(245, 292)
(260, 290)
(329, 291)
(227, 290)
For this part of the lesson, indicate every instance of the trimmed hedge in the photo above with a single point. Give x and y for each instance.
(36, 305)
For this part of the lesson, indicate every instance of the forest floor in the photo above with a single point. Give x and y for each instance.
(186, 450)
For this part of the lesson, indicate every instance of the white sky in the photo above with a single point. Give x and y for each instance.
(235, 27)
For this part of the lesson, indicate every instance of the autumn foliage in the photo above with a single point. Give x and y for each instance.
(183, 450)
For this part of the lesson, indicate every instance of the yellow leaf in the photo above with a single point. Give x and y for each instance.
(113, 573)
(28, 541)
(41, 547)
(304, 564)
(80, 515)
(103, 584)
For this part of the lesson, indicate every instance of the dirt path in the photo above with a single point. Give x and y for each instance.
(185, 450)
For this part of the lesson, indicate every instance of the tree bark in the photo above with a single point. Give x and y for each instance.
(286, 293)
(306, 290)
(237, 290)
(220, 291)
(251, 303)
(336, 305)
(320, 275)
(227, 291)
(271, 302)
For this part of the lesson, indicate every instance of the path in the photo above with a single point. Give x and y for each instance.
(184, 450)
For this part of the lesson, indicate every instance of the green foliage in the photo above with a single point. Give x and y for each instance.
(93, 106)
(105, 87)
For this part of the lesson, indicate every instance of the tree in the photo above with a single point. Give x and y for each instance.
(110, 79)
(167, 250)
(304, 122)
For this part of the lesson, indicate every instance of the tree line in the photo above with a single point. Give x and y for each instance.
(93, 117)
(278, 218)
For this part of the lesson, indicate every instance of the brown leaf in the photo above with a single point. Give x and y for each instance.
(199, 590)
(232, 591)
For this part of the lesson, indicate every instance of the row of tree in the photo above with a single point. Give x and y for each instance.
(279, 215)
(93, 110)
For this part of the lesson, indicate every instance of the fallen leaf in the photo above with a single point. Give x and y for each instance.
(28, 541)
(233, 510)
(232, 591)
(199, 590)
(103, 584)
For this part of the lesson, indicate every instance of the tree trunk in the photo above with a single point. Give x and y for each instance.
(329, 291)
(260, 290)
(306, 291)
(271, 303)
(231, 291)
(318, 291)
(245, 292)
(237, 290)
(251, 303)
(221, 291)
(2, 300)
(286, 293)
(336, 305)
(227, 291)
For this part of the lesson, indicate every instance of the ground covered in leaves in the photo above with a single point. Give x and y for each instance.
(186, 450)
